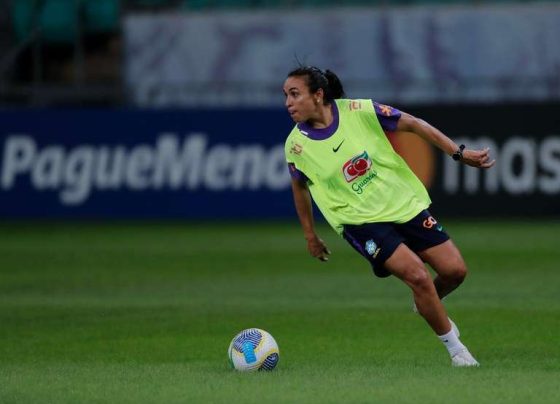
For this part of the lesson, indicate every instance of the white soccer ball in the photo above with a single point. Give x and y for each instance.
(253, 349)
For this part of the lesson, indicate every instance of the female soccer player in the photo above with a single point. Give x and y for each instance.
(339, 155)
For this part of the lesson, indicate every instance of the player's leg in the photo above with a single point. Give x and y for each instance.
(382, 245)
(427, 238)
(449, 265)
(408, 267)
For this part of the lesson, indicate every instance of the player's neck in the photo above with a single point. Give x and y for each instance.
(323, 117)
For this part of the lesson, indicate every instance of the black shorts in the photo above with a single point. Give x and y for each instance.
(378, 241)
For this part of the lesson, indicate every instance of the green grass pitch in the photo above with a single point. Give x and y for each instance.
(144, 313)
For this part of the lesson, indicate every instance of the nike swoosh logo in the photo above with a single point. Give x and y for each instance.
(335, 149)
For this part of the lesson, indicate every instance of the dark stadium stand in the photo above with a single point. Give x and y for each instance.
(73, 44)
(61, 51)
(59, 20)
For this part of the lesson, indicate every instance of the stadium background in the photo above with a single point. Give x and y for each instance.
(81, 79)
(146, 215)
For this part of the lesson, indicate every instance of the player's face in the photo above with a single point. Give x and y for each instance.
(301, 104)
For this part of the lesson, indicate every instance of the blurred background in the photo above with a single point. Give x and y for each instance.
(174, 108)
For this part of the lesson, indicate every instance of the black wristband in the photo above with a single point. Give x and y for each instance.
(458, 155)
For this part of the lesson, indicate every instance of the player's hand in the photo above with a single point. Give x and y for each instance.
(478, 158)
(318, 249)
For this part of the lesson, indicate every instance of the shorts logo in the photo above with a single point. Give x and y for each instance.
(356, 166)
(430, 222)
(372, 248)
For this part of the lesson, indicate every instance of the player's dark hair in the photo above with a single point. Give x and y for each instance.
(317, 78)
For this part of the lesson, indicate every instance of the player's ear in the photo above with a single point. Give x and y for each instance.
(318, 96)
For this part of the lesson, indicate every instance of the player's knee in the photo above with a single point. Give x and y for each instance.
(460, 272)
(418, 278)
(457, 272)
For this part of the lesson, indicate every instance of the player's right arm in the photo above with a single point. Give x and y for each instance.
(304, 208)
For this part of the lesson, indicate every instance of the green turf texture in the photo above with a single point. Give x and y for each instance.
(144, 313)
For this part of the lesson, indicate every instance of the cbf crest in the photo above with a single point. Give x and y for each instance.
(371, 247)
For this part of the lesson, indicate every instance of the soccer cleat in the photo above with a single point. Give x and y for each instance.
(464, 359)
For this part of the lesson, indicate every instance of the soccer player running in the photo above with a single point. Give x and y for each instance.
(339, 155)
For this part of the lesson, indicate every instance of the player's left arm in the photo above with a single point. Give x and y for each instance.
(474, 158)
